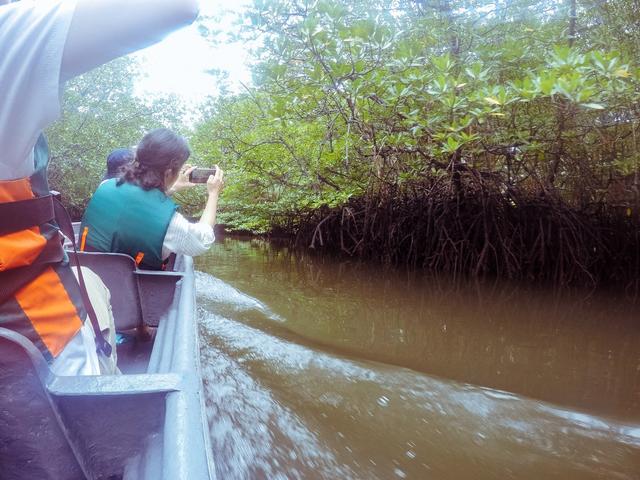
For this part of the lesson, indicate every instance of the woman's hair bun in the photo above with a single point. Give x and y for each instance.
(158, 151)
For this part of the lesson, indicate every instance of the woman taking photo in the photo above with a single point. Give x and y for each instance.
(134, 214)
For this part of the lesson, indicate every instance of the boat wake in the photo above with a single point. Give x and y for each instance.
(253, 434)
(282, 410)
(220, 296)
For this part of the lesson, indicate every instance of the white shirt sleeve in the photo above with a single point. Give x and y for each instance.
(44, 42)
(32, 40)
(187, 238)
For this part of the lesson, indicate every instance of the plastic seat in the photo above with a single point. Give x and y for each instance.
(137, 296)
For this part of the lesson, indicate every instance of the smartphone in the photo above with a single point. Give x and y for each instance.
(201, 175)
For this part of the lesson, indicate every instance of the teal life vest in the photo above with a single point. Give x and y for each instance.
(127, 219)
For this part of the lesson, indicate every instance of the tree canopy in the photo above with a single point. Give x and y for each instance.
(468, 136)
(354, 96)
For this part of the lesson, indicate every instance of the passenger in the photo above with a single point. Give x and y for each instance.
(42, 45)
(134, 214)
(116, 161)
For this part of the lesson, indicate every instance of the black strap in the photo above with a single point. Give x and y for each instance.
(64, 222)
(25, 214)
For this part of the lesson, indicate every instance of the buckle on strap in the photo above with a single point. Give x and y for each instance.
(23, 214)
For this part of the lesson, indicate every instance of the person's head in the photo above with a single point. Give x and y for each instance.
(116, 161)
(159, 157)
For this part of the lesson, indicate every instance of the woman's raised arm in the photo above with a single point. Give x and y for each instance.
(102, 30)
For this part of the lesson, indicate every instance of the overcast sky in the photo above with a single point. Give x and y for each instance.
(179, 63)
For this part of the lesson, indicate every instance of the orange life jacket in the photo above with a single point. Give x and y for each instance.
(39, 295)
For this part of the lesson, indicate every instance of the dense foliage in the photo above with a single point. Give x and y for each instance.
(465, 136)
(468, 136)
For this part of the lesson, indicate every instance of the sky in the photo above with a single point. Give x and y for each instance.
(179, 63)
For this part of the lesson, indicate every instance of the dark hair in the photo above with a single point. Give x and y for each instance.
(116, 161)
(158, 151)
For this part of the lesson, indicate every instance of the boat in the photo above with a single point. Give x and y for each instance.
(147, 423)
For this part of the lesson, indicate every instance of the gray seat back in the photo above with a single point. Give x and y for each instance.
(33, 444)
(117, 271)
(156, 291)
(137, 296)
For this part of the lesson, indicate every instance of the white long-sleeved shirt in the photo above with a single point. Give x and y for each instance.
(187, 238)
(43, 43)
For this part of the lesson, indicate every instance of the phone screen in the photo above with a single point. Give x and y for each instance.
(201, 175)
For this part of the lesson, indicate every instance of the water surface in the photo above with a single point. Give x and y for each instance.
(318, 368)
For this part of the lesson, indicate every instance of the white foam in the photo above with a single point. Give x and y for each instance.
(215, 290)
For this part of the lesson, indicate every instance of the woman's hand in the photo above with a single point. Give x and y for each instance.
(215, 183)
(182, 181)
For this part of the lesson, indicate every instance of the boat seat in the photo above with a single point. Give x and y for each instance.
(137, 296)
(156, 291)
(77, 427)
(117, 272)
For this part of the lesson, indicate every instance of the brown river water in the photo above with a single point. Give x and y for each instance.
(321, 368)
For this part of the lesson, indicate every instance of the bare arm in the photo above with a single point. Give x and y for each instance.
(102, 30)
(214, 186)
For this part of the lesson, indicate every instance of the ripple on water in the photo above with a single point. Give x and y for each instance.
(399, 473)
(265, 393)
(252, 434)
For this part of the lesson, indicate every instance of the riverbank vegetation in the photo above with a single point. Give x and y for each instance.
(467, 137)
